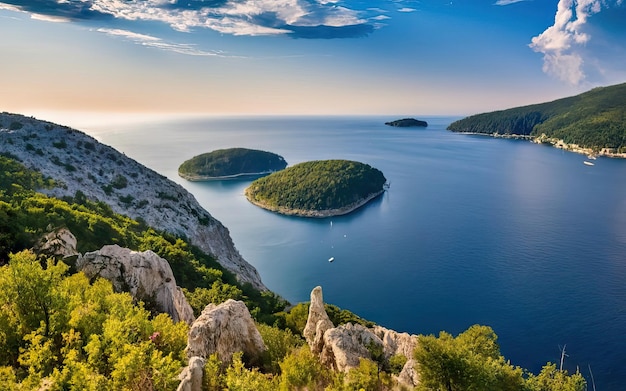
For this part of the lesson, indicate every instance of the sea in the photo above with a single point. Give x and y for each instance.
(521, 237)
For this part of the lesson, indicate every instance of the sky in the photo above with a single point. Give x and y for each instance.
(304, 57)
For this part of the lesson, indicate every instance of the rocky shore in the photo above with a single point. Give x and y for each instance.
(316, 213)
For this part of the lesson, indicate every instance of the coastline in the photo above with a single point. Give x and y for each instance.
(556, 143)
(316, 213)
(206, 178)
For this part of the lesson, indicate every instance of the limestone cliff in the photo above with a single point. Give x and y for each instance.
(79, 163)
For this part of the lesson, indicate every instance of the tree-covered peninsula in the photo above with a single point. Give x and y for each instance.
(594, 121)
(230, 163)
(318, 188)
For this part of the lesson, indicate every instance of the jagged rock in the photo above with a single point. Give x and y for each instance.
(225, 329)
(60, 244)
(396, 343)
(317, 323)
(149, 196)
(145, 275)
(346, 344)
(191, 376)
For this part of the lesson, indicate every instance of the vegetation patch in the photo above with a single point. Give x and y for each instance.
(231, 163)
(318, 188)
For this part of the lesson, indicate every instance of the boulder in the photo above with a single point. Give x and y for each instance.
(346, 344)
(317, 323)
(409, 376)
(145, 275)
(191, 376)
(60, 244)
(225, 329)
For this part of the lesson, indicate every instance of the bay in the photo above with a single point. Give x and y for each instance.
(524, 238)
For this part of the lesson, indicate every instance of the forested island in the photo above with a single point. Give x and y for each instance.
(592, 122)
(318, 188)
(231, 163)
(407, 123)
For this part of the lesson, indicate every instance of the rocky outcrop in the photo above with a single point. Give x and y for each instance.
(225, 329)
(145, 275)
(342, 347)
(60, 244)
(345, 345)
(191, 376)
(79, 164)
(317, 322)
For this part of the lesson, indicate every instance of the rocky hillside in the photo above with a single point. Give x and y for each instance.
(80, 165)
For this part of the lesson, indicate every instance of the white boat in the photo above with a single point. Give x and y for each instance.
(588, 163)
(591, 157)
(331, 259)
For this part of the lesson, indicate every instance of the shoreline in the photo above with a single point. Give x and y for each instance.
(556, 143)
(316, 213)
(206, 178)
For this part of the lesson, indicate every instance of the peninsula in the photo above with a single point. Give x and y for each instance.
(590, 123)
(319, 188)
(407, 123)
(231, 163)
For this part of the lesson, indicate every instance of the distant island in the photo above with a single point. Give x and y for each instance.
(231, 163)
(407, 123)
(319, 188)
(593, 122)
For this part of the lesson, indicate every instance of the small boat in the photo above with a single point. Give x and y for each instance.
(588, 163)
(591, 157)
(331, 259)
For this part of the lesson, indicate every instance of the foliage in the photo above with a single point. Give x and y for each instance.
(279, 343)
(300, 370)
(295, 319)
(595, 119)
(317, 185)
(472, 361)
(78, 335)
(239, 378)
(232, 161)
(552, 379)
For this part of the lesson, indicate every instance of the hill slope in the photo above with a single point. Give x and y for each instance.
(230, 163)
(595, 119)
(79, 164)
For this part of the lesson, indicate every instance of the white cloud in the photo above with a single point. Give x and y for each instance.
(50, 18)
(380, 17)
(406, 9)
(158, 43)
(562, 42)
(507, 2)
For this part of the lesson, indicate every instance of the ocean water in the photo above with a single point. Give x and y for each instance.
(522, 237)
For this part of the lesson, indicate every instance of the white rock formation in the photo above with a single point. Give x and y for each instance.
(145, 275)
(225, 329)
(341, 347)
(60, 243)
(191, 376)
(317, 323)
(79, 163)
(346, 344)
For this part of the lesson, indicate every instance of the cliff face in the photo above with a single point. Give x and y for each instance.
(79, 163)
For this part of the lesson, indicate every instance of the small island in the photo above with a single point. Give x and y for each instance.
(320, 188)
(408, 123)
(231, 163)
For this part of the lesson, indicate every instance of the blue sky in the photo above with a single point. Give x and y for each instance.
(304, 56)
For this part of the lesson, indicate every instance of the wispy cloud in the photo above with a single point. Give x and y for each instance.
(562, 42)
(237, 17)
(407, 9)
(507, 2)
(158, 43)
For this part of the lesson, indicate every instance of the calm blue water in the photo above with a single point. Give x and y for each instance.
(521, 237)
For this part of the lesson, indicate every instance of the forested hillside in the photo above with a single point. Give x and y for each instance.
(230, 162)
(595, 119)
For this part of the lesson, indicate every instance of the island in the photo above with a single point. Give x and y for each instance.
(407, 123)
(592, 123)
(320, 188)
(231, 163)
